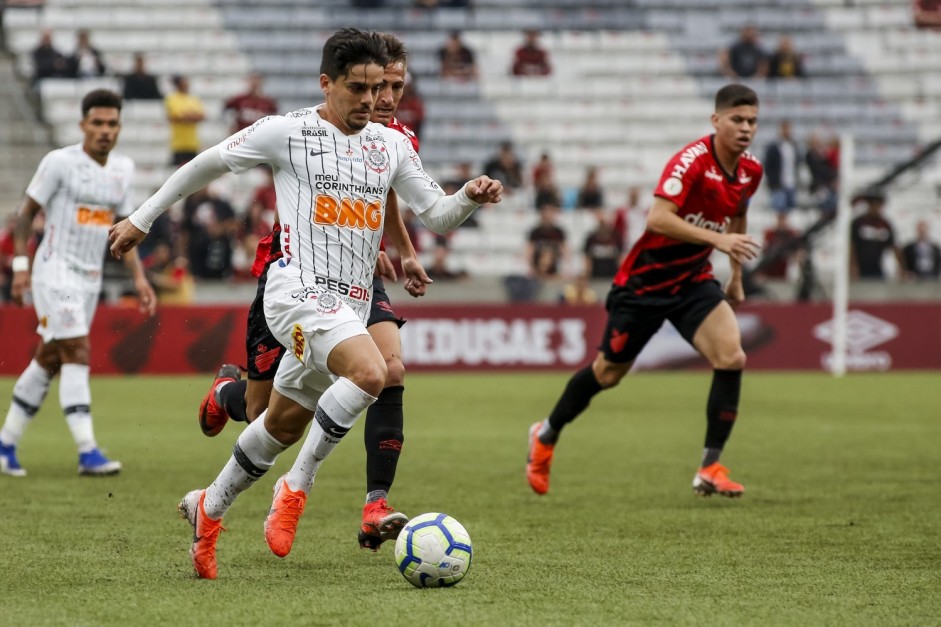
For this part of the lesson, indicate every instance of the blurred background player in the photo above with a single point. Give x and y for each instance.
(699, 205)
(244, 400)
(81, 188)
(336, 371)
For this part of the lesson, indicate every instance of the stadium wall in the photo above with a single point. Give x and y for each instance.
(180, 340)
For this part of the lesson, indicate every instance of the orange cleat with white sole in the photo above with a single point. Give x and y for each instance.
(212, 415)
(714, 479)
(285, 512)
(380, 523)
(206, 532)
(538, 461)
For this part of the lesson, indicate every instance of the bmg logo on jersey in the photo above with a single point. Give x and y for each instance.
(354, 213)
(94, 216)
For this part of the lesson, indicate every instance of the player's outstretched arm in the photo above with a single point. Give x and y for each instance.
(21, 231)
(416, 279)
(205, 168)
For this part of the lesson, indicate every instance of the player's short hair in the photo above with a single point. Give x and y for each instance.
(735, 95)
(101, 98)
(349, 47)
(395, 47)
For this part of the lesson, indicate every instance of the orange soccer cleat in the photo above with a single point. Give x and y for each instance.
(205, 533)
(380, 523)
(714, 479)
(212, 416)
(538, 461)
(285, 512)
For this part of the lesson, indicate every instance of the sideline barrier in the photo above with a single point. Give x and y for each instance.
(180, 340)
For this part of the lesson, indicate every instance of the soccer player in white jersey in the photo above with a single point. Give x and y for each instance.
(81, 188)
(243, 400)
(333, 169)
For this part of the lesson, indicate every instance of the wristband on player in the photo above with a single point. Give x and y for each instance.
(20, 263)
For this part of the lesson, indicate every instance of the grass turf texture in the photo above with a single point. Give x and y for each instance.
(839, 524)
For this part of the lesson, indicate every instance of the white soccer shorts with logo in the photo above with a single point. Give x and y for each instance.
(65, 310)
(309, 322)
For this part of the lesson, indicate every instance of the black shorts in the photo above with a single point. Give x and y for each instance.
(263, 350)
(381, 308)
(633, 320)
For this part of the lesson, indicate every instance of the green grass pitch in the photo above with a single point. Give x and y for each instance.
(840, 524)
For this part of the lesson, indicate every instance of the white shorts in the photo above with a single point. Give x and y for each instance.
(309, 322)
(64, 312)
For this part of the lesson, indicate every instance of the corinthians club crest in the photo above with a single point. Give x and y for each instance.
(376, 158)
(327, 302)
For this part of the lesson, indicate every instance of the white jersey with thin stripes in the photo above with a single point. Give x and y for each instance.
(331, 190)
(80, 198)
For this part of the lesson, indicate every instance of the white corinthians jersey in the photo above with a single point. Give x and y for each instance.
(331, 191)
(81, 198)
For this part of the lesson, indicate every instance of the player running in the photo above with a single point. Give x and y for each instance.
(700, 205)
(244, 400)
(81, 188)
(332, 171)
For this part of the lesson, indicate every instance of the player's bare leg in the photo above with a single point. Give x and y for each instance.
(718, 339)
(383, 437)
(579, 391)
(361, 374)
(257, 396)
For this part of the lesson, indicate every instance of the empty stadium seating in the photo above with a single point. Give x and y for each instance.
(632, 82)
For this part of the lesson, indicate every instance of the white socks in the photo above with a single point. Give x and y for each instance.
(28, 394)
(75, 398)
(254, 453)
(336, 413)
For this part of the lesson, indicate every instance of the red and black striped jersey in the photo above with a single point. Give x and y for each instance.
(707, 197)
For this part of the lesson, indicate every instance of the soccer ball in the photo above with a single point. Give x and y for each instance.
(433, 550)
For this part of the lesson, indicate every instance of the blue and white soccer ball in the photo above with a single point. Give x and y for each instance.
(433, 550)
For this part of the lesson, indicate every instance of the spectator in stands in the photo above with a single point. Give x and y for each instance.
(7, 252)
(85, 61)
(922, 256)
(209, 228)
(531, 59)
(823, 174)
(411, 109)
(506, 168)
(546, 191)
(457, 60)
(184, 112)
(141, 84)
(169, 276)
(927, 13)
(438, 270)
(622, 215)
(744, 58)
(871, 236)
(247, 108)
(785, 62)
(546, 249)
(47, 61)
(578, 292)
(590, 194)
(603, 249)
(781, 161)
(779, 242)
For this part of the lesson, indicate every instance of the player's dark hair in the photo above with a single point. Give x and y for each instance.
(101, 98)
(735, 95)
(395, 48)
(349, 47)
